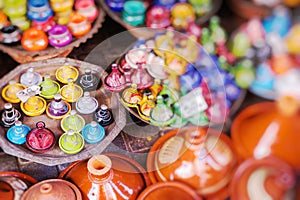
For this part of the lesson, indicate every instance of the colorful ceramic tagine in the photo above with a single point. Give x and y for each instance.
(190, 79)
(17, 133)
(10, 35)
(21, 22)
(34, 39)
(72, 121)
(169, 94)
(71, 142)
(141, 78)
(44, 25)
(202, 158)
(59, 36)
(60, 6)
(130, 96)
(115, 5)
(30, 78)
(58, 108)
(146, 105)
(34, 106)
(158, 17)
(65, 72)
(156, 66)
(53, 189)
(10, 115)
(9, 92)
(49, 87)
(40, 139)
(168, 3)
(93, 132)
(104, 116)
(156, 88)
(161, 114)
(15, 8)
(39, 10)
(169, 190)
(134, 12)
(201, 7)
(79, 25)
(292, 40)
(115, 81)
(87, 9)
(89, 81)
(14, 184)
(71, 92)
(86, 104)
(96, 175)
(267, 178)
(181, 15)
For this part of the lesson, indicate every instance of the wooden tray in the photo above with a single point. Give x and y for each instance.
(147, 33)
(22, 56)
(56, 156)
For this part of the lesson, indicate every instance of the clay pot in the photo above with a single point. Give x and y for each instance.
(107, 176)
(52, 189)
(169, 190)
(200, 157)
(267, 129)
(268, 178)
(13, 185)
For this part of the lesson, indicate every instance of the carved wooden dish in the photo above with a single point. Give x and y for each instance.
(56, 156)
(22, 56)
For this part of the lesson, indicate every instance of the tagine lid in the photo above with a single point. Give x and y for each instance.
(267, 178)
(202, 158)
(53, 189)
(169, 190)
(104, 171)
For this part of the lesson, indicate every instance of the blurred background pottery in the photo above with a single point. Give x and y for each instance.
(97, 175)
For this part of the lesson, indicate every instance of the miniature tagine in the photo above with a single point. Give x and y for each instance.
(72, 121)
(30, 78)
(86, 104)
(202, 158)
(93, 132)
(65, 72)
(17, 133)
(53, 189)
(71, 92)
(9, 92)
(71, 142)
(89, 81)
(10, 115)
(34, 106)
(58, 108)
(49, 87)
(97, 176)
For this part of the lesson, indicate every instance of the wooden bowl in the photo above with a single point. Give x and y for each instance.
(56, 156)
(19, 54)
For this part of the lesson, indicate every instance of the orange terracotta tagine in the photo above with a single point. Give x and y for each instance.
(202, 158)
(106, 177)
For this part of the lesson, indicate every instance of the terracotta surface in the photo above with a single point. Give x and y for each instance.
(262, 130)
(268, 178)
(169, 191)
(52, 189)
(107, 176)
(204, 160)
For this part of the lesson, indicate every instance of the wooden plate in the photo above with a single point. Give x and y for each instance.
(56, 156)
(147, 33)
(23, 56)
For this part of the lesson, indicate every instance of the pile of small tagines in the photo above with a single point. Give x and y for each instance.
(273, 44)
(170, 80)
(37, 23)
(38, 95)
(159, 13)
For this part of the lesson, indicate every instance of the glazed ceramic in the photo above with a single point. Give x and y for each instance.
(89, 81)
(9, 92)
(169, 190)
(9, 115)
(40, 139)
(267, 178)
(158, 17)
(115, 5)
(49, 87)
(65, 72)
(161, 114)
(60, 6)
(58, 108)
(53, 189)
(87, 9)
(115, 81)
(130, 96)
(96, 175)
(79, 25)
(10, 34)
(71, 142)
(14, 184)
(72, 121)
(141, 78)
(93, 132)
(266, 129)
(39, 10)
(202, 158)
(21, 22)
(134, 12)
(30, 78)
(15, 8)
(34, 106)
(104, 116)
(181, 14)
(71, 92)
(34, 39)
(17, 133)
(44, 25)
(59, 36)
(86, 104)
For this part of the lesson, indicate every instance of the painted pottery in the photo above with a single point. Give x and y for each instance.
(9, 92)
(60, 6)
(9, 115)
(79, 25)
(87, 9)
(65, 72)
(49, 87)
(130, 96)
(52, 189)
(40, 139)
(34, 39)
(96, 175)
(44, 25)
(30, 78)
(158, 17)
(71, 142)
(267, 178)
(200, 157)
(161, 114)
(39, 10)
(89, 81)
(10, 34)
(72, 121)
(141, 78)
(93, 132)
(58, 108)
(34, 106)
(86, 104)
(59, 36)
(21, 22)
(115, 81)
(17, 133)
(134, 12)
(181, 15)
(104, 116)
(115, 5)
(71, 92)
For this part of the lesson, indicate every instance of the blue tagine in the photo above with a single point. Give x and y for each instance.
(17, 133)
(93, 132)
